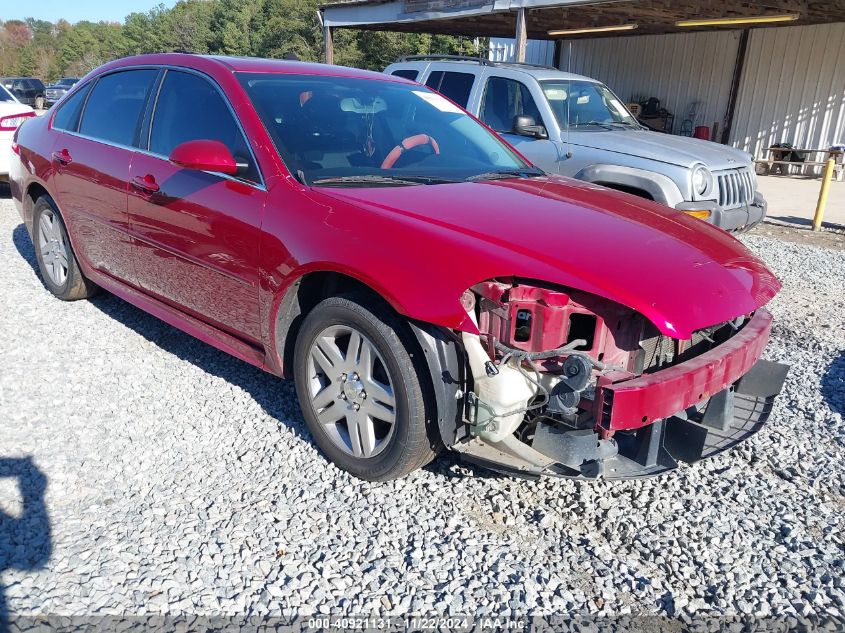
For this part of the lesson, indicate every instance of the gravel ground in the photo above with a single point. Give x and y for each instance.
(179, 480)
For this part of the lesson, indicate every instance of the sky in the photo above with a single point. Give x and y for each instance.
(76, 10)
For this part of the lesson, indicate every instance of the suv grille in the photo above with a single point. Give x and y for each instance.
(736, 187)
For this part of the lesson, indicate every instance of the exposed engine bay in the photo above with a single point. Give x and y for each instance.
(567, 383)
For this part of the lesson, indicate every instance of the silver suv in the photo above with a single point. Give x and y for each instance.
(575, 126)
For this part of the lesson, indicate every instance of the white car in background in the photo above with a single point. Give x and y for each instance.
(12, 114)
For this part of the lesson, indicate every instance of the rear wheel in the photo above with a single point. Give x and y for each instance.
(59, 269)
(359, 391)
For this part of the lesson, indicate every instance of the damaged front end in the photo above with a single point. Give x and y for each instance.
(565, 383)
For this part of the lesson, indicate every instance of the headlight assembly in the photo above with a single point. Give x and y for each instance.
(702, 180)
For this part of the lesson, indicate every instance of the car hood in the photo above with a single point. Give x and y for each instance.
(679, 272)
(666, 148)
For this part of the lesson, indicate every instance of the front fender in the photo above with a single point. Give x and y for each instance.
(660, 187)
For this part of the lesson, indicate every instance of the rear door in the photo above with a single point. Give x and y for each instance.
(97, 130)
(197, 231)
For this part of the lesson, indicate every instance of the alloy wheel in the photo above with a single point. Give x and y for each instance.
(351, 391)
(53, 248)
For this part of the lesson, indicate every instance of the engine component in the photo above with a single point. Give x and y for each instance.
(568, 349)
(576, 372)
(565, 396)
(499, 399)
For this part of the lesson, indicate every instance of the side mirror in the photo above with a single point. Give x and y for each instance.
(525, 125)
(205, 155)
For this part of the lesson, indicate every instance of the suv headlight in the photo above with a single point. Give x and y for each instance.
(702, 180)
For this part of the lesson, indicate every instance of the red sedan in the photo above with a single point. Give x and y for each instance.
(423, 284)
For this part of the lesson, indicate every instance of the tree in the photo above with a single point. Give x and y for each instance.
(263, 28)
(186, 27)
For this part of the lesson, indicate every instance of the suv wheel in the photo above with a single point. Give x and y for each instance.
(39, 103)
(359, 392)
(59, 269)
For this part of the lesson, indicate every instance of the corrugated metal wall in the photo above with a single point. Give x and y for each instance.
(536, 52)
(793, 88)
(678, 69)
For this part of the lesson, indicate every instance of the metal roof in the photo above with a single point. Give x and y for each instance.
(497, 18)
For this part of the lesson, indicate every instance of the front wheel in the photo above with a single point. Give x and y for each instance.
(359, 391)
(39, 103)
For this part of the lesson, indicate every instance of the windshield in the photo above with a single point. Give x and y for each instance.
(586, 103)
(67, 81)
(342, 131)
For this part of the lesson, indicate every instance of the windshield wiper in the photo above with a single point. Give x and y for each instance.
(381, 179)
(627, 124)
(606, 126)
(531, 172)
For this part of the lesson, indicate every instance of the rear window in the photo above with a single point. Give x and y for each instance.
(114, 108)
(456, 86)
(67, 117)
(406, 74)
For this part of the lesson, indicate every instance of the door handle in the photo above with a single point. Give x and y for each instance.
(146, 183)
(62, 157)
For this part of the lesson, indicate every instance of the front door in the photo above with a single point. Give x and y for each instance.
(505, 98)
(197, 231)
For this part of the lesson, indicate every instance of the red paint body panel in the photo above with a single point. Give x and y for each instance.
(197, 243)
(640, 401)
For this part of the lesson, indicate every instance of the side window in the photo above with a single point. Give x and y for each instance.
(456, 86)
(406, 74)
(178, 119)
(503, 100)
(67, 117)
(114, 108)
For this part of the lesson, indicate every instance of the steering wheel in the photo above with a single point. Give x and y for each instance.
(409, 143)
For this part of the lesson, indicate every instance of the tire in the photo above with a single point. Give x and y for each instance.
(57, 262)
(361, 440)
(39, 103)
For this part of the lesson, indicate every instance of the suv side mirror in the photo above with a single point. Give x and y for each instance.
(205, 155)
(525, 125)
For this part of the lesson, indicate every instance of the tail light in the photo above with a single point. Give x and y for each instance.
(12, 122)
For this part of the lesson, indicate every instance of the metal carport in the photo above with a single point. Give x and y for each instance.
(550, 19)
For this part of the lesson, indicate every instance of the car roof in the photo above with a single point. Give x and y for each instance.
(250, 65)
(540, 73)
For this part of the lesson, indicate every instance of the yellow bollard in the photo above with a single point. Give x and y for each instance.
(820, 207)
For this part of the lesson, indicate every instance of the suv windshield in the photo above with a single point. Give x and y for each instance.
(586, 103)
(340, 131)
(67, 81)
